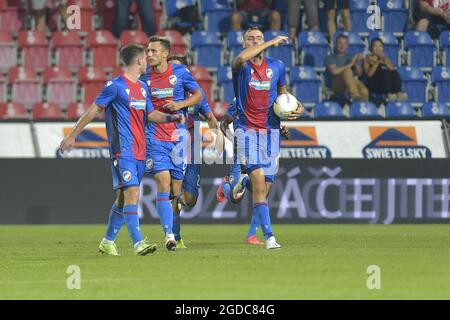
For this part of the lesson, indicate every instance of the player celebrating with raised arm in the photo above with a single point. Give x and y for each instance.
(127, 104)
(257, 82)
(168, 84)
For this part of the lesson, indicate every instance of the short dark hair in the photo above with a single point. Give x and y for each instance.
(164, 41)
(182, 59)
(129, 53)
(251, 29)
(341, 36)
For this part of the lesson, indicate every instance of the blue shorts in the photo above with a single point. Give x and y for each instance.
(166, 156)
(191, 181)
(126, 172)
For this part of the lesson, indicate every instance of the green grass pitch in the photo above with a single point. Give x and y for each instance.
(316, 262)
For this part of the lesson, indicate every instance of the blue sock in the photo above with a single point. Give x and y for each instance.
(115, 222)
(165, 212)
(177, 226)
(227, 191)
(253, 225)
(261, 209)
(247, 183)
(130, 213)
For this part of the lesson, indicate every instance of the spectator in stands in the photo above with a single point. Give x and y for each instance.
(342, 68)
(312, 14)
(431, 12)
(255, 13)
(330, 9)
(383, 78)
(41, 8)
(145, 9)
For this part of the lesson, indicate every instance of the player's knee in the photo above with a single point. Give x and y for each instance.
(131, 195)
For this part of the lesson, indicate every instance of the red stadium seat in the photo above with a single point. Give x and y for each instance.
(61, 87)
(9, 20)
(8, 51)
(34, 47)
(75, 110)
(202, 76)
(13, 110)
(177, 42)
(26, 86)
(69, 50)
(107, 11)
(92, 81)
(3, 90)
(103, 48)
(219, 109)
(118, 71)
(134, 37)
(87, 14)
(46, 111)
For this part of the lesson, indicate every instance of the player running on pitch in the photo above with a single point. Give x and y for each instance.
(127, 104)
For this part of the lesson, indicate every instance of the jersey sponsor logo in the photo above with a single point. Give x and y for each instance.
(394, 143)
(126, 175)
(260, 85)
(162, 93)
(269, 73)
(173, 79)
(303, 143)
(138, 104)
(90, 143)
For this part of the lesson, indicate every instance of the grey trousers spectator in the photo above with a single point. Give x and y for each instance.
(312, 14)
(145, 8)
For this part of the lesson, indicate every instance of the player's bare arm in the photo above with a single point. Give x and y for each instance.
(297, 112)
(160, 117)
(194, 99)
(87, 117)
(214, 125)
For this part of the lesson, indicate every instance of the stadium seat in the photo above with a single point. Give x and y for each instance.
(234, 43)
(201, 75)
(61, 87)
(107, 12)
(359, 16)
(178, 45)
(34, 46)
(47, 111)
(400, 110)
(364, 110)
(421, 50)
(217, 14)
(391, 45)
(355, 43)
(26, 86)
(306, 84)
(440, 78)
(13, 110)
(444, 44)
(8, 51)
(76, 109)
(3, 90)
(329, 109)
(314, 48)
(219, 109)
(103, 49)
(414, 84)
(92, 81)
(225, 81)
(283, 52)
(172, 11)
(9, 19)
(133, 37)
(208, 49)
(394, 15)
(69, 50)
(86, 13)
(434, 110)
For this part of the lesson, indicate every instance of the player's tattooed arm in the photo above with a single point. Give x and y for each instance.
(160, 117)
(86, 118)
(194, 99)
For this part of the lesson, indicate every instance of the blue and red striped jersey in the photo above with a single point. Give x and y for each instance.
(170, 85)
(126, 105)
(255, 88)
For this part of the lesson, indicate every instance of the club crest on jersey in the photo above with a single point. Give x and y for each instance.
(144, 94)
(149, 164)
(173, 80)
(269, 73)
(126, 175)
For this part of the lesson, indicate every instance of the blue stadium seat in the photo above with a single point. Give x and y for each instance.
(355, 43)
(421, 49)
(414, 84)
(283, 52)
(395, 15)
(391, 45)
(435, 110)
(329, 109)
(314, 48)
(208, 49)
(172, 11)
(234, 42)
(218, 13)
(444, 43)
(224, 80)
(306, 85)
(359, 16)
(400, 110)
(364, 110)
(440, 78)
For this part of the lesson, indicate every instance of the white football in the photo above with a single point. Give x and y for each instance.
(284, 104)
